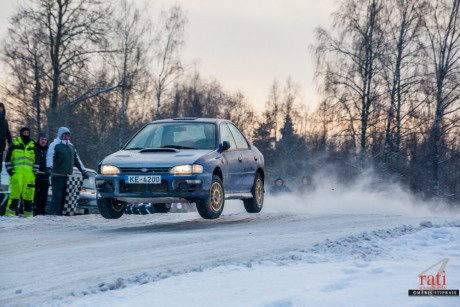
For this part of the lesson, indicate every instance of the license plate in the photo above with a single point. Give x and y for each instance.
(144, 179)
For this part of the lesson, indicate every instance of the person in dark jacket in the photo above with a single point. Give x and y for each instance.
(42, 183)
(5, 135)
(60, 160)
(21, 165)
(279, 187)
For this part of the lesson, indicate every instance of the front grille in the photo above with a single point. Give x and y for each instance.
(150, 170)
(144, 188)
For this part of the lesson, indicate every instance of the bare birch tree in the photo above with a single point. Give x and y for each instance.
(169, 43)
(74, 32)
(400, 66)
(130, 59)
(24, 56)
(347, 64)
(443, 51)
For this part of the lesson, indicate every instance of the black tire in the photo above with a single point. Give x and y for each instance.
(162, 208)
(213, 207)
(255, 204)
(111, 208)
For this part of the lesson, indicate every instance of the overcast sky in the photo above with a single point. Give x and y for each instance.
(246, 44)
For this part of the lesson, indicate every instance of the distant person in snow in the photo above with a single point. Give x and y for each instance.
(306, 185)
(60, 160)
(42, 183)
(21, 165)
(279, 187)
(5, 135)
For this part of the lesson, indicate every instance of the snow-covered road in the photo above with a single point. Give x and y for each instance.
(75, 260)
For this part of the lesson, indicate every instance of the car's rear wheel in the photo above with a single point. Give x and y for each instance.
(212, 207)
(111, 208)
(255, 204)
(162, 208)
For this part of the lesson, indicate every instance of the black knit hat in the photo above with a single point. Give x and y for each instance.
(42, 135)
(21, 132)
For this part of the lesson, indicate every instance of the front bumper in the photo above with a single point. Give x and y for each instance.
(173, 188)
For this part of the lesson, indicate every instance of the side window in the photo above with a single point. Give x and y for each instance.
(226, 135)
(241, 142)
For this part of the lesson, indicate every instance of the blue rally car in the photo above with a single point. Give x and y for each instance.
(201, 161)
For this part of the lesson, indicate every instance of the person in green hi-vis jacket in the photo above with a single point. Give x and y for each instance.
(21, 165)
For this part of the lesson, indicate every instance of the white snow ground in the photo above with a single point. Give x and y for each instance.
(333, 248)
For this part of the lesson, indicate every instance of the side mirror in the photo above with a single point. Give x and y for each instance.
(226, 145)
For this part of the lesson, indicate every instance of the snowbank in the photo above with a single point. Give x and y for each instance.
(383, 278)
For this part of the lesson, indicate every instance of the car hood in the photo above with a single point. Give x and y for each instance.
(135, 158)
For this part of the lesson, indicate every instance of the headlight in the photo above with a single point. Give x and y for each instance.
(186, 169)
(109, 170)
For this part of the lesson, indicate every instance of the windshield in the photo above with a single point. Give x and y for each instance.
(175, 135)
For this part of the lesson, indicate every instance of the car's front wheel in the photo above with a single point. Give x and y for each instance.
(255, 204)
(212, 207)
(111, 208)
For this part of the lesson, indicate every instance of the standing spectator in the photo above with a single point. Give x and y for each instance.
(5, 135)
(60, 160)
(42, 182)
(279, 187)
(21, 165)
(306, 185)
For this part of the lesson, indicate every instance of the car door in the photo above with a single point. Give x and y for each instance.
(247, 159)
(231, 166)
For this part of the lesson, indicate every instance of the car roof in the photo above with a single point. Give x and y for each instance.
(192, 120)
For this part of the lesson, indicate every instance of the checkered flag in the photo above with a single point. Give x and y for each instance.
(72, 193)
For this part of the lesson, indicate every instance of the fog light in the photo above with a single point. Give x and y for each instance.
(196, 181)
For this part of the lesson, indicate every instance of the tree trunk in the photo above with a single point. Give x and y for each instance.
(55, 48)
(122, 122)
(37, 93)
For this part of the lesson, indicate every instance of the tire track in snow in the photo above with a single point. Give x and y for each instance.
(363, 246)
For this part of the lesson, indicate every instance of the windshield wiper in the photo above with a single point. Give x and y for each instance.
(177, 147)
